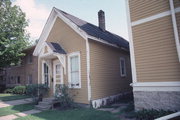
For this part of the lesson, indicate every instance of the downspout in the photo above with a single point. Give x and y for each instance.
(175, 28)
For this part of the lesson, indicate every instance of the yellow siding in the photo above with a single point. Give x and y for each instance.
(176, 3)
(105, 71)
(71, 42)
(178, 22)
(144, 8)
(155, 51)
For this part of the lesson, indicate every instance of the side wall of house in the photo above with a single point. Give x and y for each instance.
(71, 42)
(105, 77)
(23, 71)
(156, 58)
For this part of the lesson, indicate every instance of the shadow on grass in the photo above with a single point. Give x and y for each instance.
(73, 114)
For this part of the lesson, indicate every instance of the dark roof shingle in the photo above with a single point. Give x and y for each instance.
(55, 47)
(95, 31)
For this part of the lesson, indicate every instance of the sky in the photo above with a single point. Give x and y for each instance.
(37, 12)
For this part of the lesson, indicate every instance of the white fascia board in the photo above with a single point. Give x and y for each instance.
(102, 41)
(45, 32)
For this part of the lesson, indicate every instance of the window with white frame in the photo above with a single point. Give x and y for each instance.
(74, 70)
(122, 67)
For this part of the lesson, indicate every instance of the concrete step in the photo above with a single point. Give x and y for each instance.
(45, 103)
(43, 107)
(48, 100)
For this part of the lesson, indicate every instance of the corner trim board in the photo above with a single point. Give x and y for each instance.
(176, 36)
(132, 55)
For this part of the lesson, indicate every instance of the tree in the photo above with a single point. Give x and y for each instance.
(13, 37)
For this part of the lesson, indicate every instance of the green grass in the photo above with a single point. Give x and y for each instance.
(8, 97)
(15, 109)
(74, 114)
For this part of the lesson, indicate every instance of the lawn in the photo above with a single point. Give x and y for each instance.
(15, 109)
(8, 97)
(74, 114)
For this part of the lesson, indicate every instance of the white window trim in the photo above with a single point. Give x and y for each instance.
(69, 69)
(43, 73)
(122, 75)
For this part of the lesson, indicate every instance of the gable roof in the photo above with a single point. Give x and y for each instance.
(55, 47)
(96, 32)
(84, 29)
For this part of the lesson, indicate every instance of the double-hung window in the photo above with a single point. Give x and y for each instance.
(74, 70)
(45, 73)
(122, 67)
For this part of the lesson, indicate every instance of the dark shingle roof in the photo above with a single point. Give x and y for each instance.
(55, 47)
(95, 31)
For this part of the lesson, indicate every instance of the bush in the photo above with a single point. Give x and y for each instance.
(63, 96)
(9, 90)
(19, 90)
(37, 91)
(151, 114)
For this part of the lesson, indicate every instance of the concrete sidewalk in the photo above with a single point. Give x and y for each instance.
(15, 102)
(20, 114)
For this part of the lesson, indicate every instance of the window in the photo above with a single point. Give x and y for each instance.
(18, 80)
(30, 58)
(46, 74)
(30, 79)
(122, 67)
(74, 70)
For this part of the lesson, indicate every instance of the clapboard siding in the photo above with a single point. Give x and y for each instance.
(178, 23)
(155, 51)
(176, 3)
(144, 8)
(105, 71)
(71, 42)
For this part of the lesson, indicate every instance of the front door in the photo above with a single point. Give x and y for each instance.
(57, 74)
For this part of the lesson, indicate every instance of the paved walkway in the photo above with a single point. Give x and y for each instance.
(20, 114)
(15, 102)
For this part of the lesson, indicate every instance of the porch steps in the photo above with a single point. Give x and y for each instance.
(45, 104)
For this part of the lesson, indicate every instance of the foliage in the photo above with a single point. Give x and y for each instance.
(13, 37)
(19, 90)
(9, 90)
(62, 94)
(37, 91)
(151, 114)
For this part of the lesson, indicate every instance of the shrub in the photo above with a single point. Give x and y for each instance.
(19, 90)
(37, 91)
(151, 114)
(9, 90)
(63, 96)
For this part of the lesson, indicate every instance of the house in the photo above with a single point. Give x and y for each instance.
(154, 32)
(25, 73)
(93, 62)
